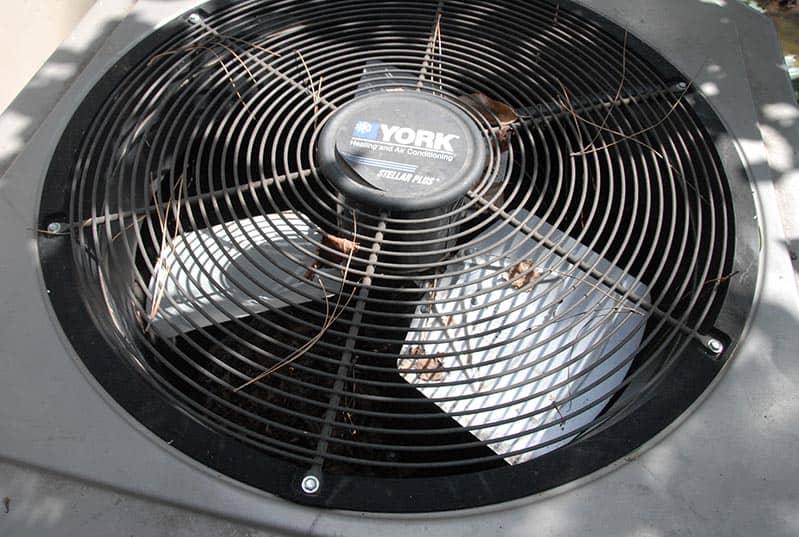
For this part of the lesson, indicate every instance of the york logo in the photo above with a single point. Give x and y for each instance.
(437, 141)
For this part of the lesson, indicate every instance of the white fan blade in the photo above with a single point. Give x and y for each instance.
(204, 277)
(590, 311)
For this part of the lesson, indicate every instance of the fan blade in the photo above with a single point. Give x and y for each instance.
(482, 310)
(233, 270)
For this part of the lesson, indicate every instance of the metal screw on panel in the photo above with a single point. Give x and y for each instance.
(310, 484)
(715, 346)
(54, 227)
(195, 18)
(680, 86)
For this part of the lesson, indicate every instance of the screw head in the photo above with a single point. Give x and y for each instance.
(715, 346)
(54, 227)
(310, 484)
(194, 18)
(680, 86)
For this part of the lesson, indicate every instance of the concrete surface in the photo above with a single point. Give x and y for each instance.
(22, 116)
(41, 504)
(30, 30)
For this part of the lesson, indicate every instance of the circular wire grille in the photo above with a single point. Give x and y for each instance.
(546, 306)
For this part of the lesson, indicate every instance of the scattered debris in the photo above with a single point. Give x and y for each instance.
(345, 246)
(503, 134)
(557, 409)
(616, 97)
(428, 369)
(167, 249)
(493, 111)
(7, 504)
(218, 59)
(433, 368)
(499, 115)
(448, 321)
(723, 279)
(427, 63)
(522, 274)
(48, 232)
(316, 90)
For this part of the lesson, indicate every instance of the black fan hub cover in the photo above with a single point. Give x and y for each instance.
(402, 151)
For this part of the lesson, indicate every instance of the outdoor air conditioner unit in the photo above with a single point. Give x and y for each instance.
(370, 267)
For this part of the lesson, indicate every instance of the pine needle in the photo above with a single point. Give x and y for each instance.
(616, 97)
(330, 320)
(221, 62)
(316, 90)
(167, 242)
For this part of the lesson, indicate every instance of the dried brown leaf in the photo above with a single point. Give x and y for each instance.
(432, 368)
(428, 369)
(503, 134)
(522, 274)
(492, 110)
(448, 321)
(345, 246)
(417, 350)
(309, 275)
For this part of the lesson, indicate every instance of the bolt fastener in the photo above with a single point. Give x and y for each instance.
(54, 227)
(715, 346)
(194, 18)
(310, 484)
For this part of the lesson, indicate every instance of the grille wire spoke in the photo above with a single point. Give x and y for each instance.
(191, 200)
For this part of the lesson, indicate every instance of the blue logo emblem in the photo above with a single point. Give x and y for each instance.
(365, 129)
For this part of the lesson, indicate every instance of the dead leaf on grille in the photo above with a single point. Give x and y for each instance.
(428, 369)
(522, 274)
(503, 134)
(448, 321)
(309, 274)
(345, 246)
(492, 110)
(432, 368)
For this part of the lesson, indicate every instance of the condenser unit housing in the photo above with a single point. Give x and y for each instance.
(370, 267)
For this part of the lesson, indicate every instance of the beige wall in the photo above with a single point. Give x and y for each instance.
(30, 30)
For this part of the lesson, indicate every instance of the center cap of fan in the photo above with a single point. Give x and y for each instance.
(402, 151)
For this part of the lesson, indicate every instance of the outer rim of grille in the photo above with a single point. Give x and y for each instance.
(356, 493)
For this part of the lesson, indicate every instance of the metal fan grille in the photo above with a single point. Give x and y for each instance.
(317, 354)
